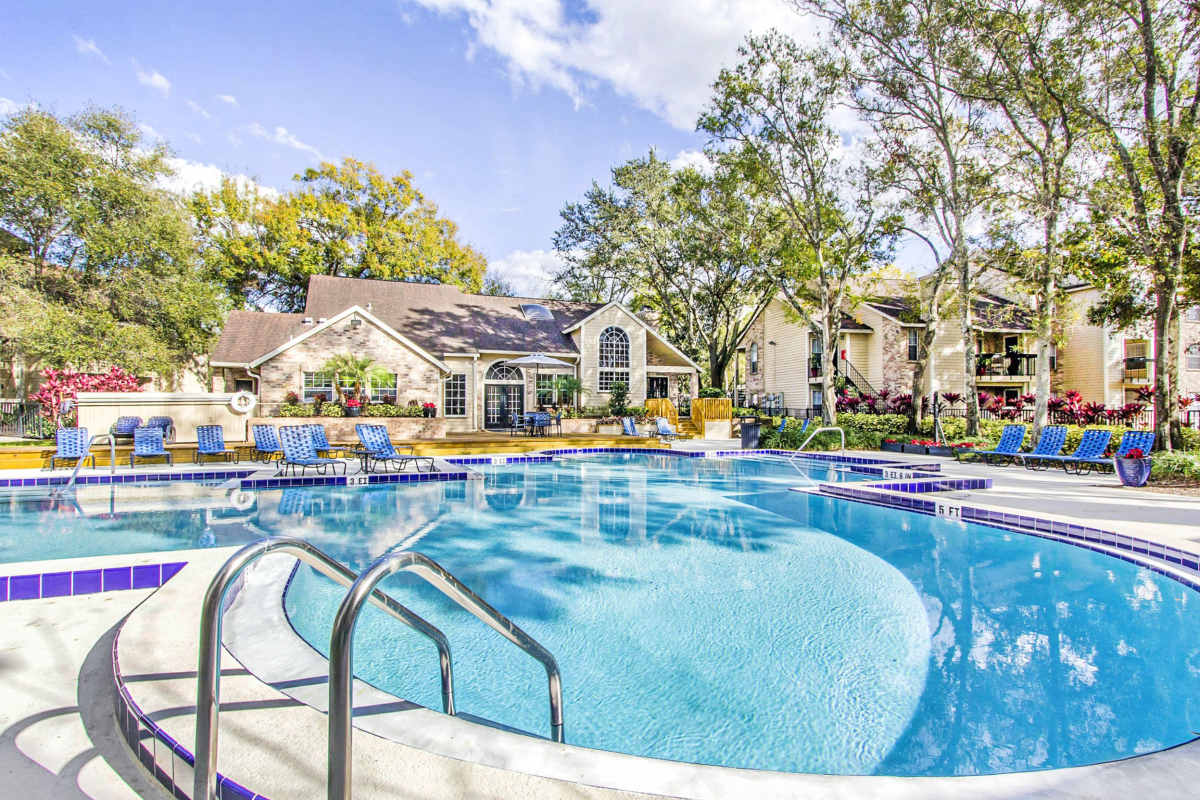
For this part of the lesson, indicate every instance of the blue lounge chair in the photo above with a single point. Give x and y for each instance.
(266, 442)
(377, 448)
(148, 443)
(124, 427)
(1091, 446)
(210, 441)
(1050, 443)
(663, 429)
(167, 425)
(1130, 440)
(1008, 447)
(629, 428)
(321, 442)
(299, 451)
(71, 444)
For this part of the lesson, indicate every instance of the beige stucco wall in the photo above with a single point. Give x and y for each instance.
(417, 378)
(99, 410)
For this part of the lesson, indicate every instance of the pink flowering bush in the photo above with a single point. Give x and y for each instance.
(61, 384)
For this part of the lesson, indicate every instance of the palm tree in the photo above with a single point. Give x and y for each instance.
(359, 370)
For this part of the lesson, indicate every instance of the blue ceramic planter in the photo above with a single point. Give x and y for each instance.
(1133, 471)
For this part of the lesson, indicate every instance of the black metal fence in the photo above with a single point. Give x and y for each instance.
(21, 419)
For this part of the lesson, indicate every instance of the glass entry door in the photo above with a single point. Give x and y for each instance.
(500, 402)
(657, 386)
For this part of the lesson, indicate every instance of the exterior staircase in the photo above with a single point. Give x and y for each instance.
(688, 428)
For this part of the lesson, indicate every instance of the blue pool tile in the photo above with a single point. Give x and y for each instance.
(87, 581)
(56, 584)
(117, 578)
(3, 589)
(24, 587)
(146, 576)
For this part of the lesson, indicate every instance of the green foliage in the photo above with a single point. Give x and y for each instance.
(110, 276)
(883, 424)
(343, 219)
(1175, 466)
(570, 386)
(361, 371)
(332, 410)
(712, 391)
(389, 410)
(637, 412)
(296, 410)
(953, 428)
(618, 399)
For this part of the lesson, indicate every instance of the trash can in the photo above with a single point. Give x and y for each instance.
(750, 430)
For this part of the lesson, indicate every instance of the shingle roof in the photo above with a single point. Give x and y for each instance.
(987, 310)
(440, 319)
(249, 334)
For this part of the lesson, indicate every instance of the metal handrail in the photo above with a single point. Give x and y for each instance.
(841, 433)
(112, 463)
(209, 670)
(341, 653)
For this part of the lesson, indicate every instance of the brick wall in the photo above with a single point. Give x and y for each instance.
(416, 378)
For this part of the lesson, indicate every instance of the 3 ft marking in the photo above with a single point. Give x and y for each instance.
(357, 480)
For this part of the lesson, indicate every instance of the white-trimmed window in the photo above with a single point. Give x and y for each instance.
(1193, 357)
(914, 347)
(1192, 314)
(549, 393)
(614, 358)
(752, 359)
(318, 384)
(454, 397)
(382, 391)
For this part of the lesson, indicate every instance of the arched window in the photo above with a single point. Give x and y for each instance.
(504, 373)
(753, 358)
(614, 358)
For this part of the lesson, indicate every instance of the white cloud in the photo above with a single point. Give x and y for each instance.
(199, 109)
(88, 47)
(155, 80)
(529, 272)
(192, 176)
(663, 54)
(691, 158)
(149, 132)
(7, 107)
(227, 98)
(281, 135)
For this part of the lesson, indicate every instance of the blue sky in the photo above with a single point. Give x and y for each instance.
(502, 109)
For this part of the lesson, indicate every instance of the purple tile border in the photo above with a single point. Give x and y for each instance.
(171, 763)
(126, 477)
(42, 585)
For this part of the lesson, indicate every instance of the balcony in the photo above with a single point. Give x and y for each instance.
(1005, 367)
(1137, 370)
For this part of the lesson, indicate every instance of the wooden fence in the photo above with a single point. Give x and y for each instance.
(663, 407)
(711, 409)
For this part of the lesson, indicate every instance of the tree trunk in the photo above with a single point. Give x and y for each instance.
(831, 332)
(1164, 394)
(1045, 316)
(920, 370)
(716, 371)
(970, 385)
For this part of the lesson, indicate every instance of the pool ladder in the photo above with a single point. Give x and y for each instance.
(841, 433)
(59, 491)
(362, 589)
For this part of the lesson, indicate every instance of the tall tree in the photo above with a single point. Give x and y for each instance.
(687, 247)
(109, 274)
(773, 111)
(345, 219)
(903, 61)
(1143, 93)
(1028, 67)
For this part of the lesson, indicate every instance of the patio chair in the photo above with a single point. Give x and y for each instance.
(321, 442)
(1130, 440)
(299, 451)
(210, 441)
(167, 425)
(516, 422)
(629, 428)
(1008, 447)
(556, 420)
(266, 442)
(149, 443)
(124, 427)
(71, 444)
(377, 448)
(1050, 443)
(1092, 445)
(663, 429)
(539, 423)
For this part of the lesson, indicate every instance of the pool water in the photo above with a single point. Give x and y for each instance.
(701, 611)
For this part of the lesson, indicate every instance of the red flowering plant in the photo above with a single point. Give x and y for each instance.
(962, 444)
(889, 441)
(1135, 453)
(924, 442)
(352, 401)
(429, 405)
(59, 385)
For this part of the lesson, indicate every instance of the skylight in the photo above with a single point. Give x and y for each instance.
(536, 311)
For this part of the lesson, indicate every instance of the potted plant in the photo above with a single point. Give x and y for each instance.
(1134, 468)
(429, 409)
(353, 406)
(892, 446)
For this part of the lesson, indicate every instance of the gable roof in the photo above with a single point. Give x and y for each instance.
(649, 328)
(249, 334)
(989, 312)
(444, 319)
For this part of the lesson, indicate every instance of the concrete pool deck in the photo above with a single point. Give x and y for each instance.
(158, 655)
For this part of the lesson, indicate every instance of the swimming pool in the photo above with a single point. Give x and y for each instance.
(701, 611)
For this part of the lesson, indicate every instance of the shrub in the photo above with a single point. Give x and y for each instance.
(1175, 465)
(637, 412)
(873, 423)
(381, 410)
(332, 410)
(296, 410)
(712, 391)
(618, 399)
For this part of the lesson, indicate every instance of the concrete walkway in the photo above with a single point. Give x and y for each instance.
(59, 739)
